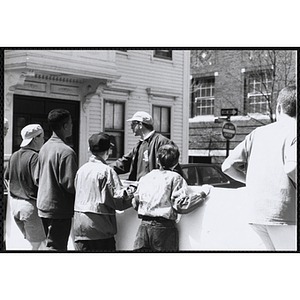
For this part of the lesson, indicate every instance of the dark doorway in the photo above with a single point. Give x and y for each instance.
(34, 110)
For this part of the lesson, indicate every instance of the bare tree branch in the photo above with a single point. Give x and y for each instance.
(273, 68)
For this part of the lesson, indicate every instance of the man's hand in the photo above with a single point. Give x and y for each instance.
(205, 189)
(131, 189)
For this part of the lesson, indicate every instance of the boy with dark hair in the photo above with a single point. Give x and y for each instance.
(99, 193)
(56, 193)
(163, 194)
(57, 118)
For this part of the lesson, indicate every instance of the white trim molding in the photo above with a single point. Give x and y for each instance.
(161, 93)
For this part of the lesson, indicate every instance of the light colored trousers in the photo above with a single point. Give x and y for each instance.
(277, 237)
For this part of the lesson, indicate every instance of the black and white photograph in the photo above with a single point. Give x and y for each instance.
(150, 150)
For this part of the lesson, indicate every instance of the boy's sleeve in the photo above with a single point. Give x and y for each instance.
(122, 165)
(33, 167)
(116, 196)
(36, 173)
(136, 200)
(183, 202)
(67, 172)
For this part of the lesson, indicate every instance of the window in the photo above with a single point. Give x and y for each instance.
(190, 175)
(114, 126)
(204, 95)
(166, 54)
(259, 85)
(161, 118)
(210, 175)
(203, 174)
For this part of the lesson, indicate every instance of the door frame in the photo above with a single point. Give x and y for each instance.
(24, 107)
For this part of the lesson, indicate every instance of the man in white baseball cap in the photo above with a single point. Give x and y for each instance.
(141, 116)
(20, 173)
(143, 157)
(29, 132)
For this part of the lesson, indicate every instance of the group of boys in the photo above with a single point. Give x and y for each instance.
(47, 190)
(45, 186)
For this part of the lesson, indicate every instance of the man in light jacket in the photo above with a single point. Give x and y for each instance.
(266, 162)
(99, 192)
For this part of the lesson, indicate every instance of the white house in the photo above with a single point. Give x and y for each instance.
(101, 89)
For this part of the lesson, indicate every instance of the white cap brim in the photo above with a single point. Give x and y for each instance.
(26, 142)
(134, 119)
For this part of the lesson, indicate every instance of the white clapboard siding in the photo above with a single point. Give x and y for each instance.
(141, 69)
(95, 113)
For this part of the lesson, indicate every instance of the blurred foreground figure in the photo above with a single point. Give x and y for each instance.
(5, 127)
(266, 161)
(23, 191)
(5, 131)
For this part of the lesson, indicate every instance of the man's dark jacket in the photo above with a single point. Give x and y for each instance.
(129, 162)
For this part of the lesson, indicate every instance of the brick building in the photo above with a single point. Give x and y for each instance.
(244, 83)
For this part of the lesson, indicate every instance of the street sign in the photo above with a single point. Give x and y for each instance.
(228, 130)
(229, 111)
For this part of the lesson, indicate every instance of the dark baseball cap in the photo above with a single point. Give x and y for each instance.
(100, 142)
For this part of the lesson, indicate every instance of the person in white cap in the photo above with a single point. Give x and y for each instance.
(20, 174)
(143, 157)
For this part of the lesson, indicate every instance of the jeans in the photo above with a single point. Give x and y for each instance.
(57, 233)
(155, 235)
